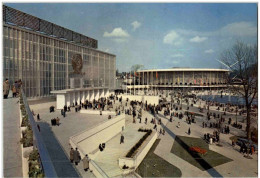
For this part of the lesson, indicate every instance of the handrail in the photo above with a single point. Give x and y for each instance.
(48, 168)
(99, 169)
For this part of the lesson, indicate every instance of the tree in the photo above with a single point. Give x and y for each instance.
(242, 61)
(136, 67)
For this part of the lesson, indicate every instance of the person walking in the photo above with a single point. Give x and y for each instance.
(122, 138)
(6, 88)
(76, 156)
(189, 131)
(85, 161)
(38, 117)
(71, 155)
(14, 90)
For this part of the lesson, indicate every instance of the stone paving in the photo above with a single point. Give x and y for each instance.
(12, 155)
(69, 126)
(76, 122)
(239, 167)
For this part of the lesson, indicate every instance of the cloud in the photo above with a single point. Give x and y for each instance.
(172, 38)
(239, 29)
(120, 40)
(235, 29)
(198, 39)
(117, 32)
(177, 55)
(209, 51)
(136, 25)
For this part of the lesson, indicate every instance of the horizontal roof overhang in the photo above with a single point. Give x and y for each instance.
(185, 70)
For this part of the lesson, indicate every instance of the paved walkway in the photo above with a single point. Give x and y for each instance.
(12, 146)
(239, 167)
(56, 138)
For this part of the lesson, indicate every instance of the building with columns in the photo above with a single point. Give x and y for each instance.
(40, 53)
(180, 78)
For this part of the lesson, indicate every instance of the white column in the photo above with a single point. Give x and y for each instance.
(60, 101)
(91, 95)
(83, 93)
(68, 99)
(71, 98)
(78, 97)
(87, 95)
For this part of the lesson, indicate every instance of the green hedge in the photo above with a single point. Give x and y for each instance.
(131, 153)
(27, 139)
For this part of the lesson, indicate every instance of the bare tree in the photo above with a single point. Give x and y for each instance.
(136, 67)
(242, 61)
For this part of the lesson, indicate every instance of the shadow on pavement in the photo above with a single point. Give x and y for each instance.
(213, 172)
(60, 161)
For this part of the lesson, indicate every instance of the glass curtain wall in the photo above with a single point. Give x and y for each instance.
(44, 63)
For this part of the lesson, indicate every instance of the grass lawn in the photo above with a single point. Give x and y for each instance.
(203, 162)
(154, 166)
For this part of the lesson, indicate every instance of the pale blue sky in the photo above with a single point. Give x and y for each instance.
(157, 35)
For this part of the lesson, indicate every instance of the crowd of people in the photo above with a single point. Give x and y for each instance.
(16, 88)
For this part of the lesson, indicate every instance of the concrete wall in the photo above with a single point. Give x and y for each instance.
(97, 112)
(150, 99)
(89, 140)
(141, 154)
(77, 96)
(96, 170)
(138, 158)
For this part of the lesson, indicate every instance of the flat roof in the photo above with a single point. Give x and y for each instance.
(15, 17)
(185, 70)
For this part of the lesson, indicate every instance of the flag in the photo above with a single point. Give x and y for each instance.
(194, 81)
(156, 75)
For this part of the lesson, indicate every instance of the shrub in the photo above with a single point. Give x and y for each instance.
(22, 107)
(131, 153)
(35, 169)
(27, 139)
(25, 121)
(34, 155)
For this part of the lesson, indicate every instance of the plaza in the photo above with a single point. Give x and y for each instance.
(108, 159)
(66, 113)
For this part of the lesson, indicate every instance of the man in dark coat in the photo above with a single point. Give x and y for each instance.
(189, 131)
(38, 117)
(122, 138)
(76, 156)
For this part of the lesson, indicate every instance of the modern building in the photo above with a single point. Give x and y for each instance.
(40, 54)
(180, 78)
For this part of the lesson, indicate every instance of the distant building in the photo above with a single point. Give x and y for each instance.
(40, 54)
(180, 78)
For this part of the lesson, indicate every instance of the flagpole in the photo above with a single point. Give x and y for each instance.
(134, 82)
(130, 82)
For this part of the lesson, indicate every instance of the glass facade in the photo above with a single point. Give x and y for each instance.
(44, 63)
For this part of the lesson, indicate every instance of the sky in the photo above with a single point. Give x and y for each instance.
(156, 35)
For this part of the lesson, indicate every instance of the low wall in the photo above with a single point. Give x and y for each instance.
(97, 112)
(138, 158)
(96, 170)
(87, 141)
(150, 99)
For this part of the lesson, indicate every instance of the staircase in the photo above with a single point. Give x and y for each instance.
(107, 160)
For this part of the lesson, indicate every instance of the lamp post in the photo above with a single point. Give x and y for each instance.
(236, 115)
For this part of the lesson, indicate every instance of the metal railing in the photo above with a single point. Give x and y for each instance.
(46, 162)
(16, 17)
